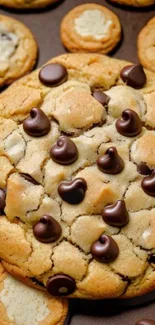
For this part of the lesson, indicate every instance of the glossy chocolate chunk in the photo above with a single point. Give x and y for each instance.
(47, 230)
(144, 169)
(29, 178)
(129, 124)
(152, 258)
(101, 97)
(37, 124)
(105, 249)
(53, 74)
(64, 152)
(2, 200)
(111, 162)
(61, 285)
(134, 76)
(148, 184)
(146, 322)
(73, 192)
(116, 214)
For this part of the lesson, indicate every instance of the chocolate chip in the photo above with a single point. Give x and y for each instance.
(105, 249)
(29, 178)
(53, 74)
(64, 152)
(152, 258)
(73, 192)
(111, 162)
(146, 322)
(2, 200)
(144, 169)
(61, 285)
(129, 124)
(116, 214)
(134, 76)
(37, 124)
(5, 36)
(47, 230)
(101, 97)
(148, 184)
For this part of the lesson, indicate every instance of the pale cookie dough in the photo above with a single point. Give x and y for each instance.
(22, 305)
(135, 3)
(146, 45)
(90, 28)
(76, 137)
(18, 50)
(27, 4)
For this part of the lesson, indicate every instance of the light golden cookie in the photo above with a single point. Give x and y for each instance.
(135, 3)
(18, 50)
(27, 4)
(90, 28)
(77, 179)
(146, 45)
(22, 305)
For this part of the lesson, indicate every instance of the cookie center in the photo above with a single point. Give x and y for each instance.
(8, 43)
(92, 23)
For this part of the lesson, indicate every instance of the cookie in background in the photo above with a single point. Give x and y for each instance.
(24, 4)
(146, 45)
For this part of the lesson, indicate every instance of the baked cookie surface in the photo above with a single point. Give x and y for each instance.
(90, 28)
(18, 50)
(27, 4)
(77, 182)
(20, 304)
(146, 45)
(135, 3)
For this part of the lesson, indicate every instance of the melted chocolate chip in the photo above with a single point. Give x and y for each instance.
(146, 322)
(144, 169)
(2, 200)
(105, 249)
(152, 258)
(61, 285)
(53, 74)
(116, 214)
(47, 230)
(129, 124)
(64, 152)
(73, 192)
(111, 162)
(101, 97)
(37, 124)
(29, 178)
(134, 76)
(148, 184)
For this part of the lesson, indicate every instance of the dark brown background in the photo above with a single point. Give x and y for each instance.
(45, 26)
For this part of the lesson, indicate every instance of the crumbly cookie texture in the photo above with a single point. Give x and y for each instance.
(135, 3)
(77, 191)
(20, 304)
(146, 45)
(90, 28)
(27, 4)
(18, 50)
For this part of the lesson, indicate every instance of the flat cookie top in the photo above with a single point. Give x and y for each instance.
(146, 45)
(18, 50)
(77, 177)
(90, 28)
(24, 4)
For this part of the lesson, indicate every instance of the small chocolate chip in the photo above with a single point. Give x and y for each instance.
(29, 178)
(143, 169)
(101, 97)
(152, 258)
(61, 285)
(134, 76)
(2, 200)
(105, 249)
(148, 184)
(73, 192)
(146, 322)
(37, 124)
(111, 162)
(64, 152)
(47, 230)
(129, 124)
(116, 214)
(53, 74)
(5, 36)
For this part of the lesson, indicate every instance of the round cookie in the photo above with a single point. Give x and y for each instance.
(145, 43)
(135, 3)
(18, 50)
(77, 179)
(24, 4)
(20, 304)
(90, 28)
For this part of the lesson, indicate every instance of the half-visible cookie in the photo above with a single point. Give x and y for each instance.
(135, 3)
(24, 4)
(146, 45)
(90, 28)
(18, 50)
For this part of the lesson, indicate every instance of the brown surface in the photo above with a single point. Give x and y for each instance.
(45, 26)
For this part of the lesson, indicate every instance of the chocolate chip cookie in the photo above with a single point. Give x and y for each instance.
(18, 50)
(135, 3)
(27, 4)
(77, 177)
(146, 45)
(90, 28)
